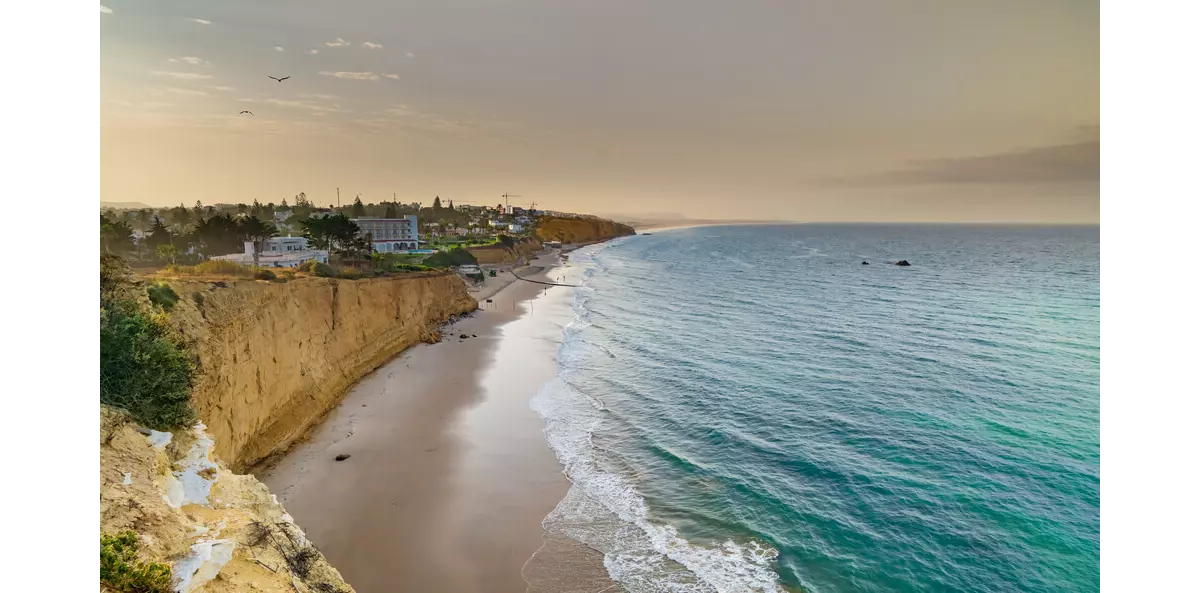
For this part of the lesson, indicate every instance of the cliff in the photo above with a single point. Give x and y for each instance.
(275, 357)
(580, 230)
(218, 531)
(499, 254)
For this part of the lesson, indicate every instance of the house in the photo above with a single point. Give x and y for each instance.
(515, 228)
(278, 252)
(497, 224)
(524, 219)
(390, 235)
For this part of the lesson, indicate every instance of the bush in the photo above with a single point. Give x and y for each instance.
(317, 268)
(506, 240)
(263, 274)
(455, 257)
(120, 569)
(412, 268)
(213, 267)
(289, 274)
(144, 368)
(162, 295)
(199, 298)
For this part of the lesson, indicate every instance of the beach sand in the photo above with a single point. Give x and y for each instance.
(449, 475)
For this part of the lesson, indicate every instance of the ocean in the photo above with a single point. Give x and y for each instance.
(750, 408)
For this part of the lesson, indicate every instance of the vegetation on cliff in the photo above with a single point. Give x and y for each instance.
(144, 367)
(583, 229)
(122, 570)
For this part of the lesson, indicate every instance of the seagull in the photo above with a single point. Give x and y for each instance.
(245, 112)
(279, 79)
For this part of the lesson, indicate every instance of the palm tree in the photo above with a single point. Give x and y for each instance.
(257, 232)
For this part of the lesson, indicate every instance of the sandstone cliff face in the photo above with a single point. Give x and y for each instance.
(275, 357)
(499, 254)
(580, 230)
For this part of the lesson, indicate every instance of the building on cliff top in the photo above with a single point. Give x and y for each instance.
(278, 252)
(390, 235)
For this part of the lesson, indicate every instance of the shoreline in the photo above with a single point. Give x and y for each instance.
(449, 476)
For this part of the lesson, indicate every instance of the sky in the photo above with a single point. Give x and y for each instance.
(814, 110)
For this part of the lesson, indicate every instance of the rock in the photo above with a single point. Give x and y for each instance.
(903, 262)
(865, 264)
(474, 336)
(342, 457)
(463, 336)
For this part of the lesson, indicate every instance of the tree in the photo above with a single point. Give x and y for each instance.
(159, 234)
(390, 212)
(198, 210)
(283, 204)
(336, 233)
(115, 237)
(437, 203)
(358, 210)
(257, 232)
(451, 204)
(181, 216)
(167, 252)
(145, 216)
(218, 235)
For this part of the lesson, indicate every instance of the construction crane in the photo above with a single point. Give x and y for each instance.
(506, 196)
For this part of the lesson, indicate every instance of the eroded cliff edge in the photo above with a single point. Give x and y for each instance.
(275, 357)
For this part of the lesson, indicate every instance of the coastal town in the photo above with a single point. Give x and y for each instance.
(276, 241)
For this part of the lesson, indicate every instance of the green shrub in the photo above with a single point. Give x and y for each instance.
(199, 298)
(263, 274)
(120, 569)
(506, 240)
(162, 295)
(412, 268)
(144, 368)
(289, 274)
(317, 268)
(213, 267)
(455, 257)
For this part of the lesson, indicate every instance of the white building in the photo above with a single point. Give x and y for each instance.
(515, 228)
(497, 224)
(390, 235)
(278, 252)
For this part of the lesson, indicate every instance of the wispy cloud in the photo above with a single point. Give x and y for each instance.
(409, 55)
(200, 21)
(352, 75)
(313, 51)
(193, 60)
(192, 92)
(182, 75)
(369, 45)
(224, 89)
(339, 42)
(316, 96)
(277, 48)
(105, 9)
(402, 116)
(308, 105)
(392, 76)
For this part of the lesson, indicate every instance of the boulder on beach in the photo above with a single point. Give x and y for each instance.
(342, 457)
(865, 264)
(903, 262)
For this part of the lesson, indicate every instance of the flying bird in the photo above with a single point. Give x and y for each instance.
(245, 112)
(279, 79)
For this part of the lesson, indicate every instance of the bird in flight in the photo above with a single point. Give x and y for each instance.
(279, 79)
(245, 112)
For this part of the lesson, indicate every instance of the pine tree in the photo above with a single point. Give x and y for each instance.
(437, 203)
(358, 210)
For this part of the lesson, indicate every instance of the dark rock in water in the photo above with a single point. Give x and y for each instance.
(474, 336)
(462, 336)
(903, 262)
(865, 264)
(342, 457)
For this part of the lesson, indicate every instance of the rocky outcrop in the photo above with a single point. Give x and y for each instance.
(275, 357)
(219, 531)
(903, 262)
(580, 230)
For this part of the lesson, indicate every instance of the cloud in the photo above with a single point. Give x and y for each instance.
(105, 9)
(392, 76)
(313, 51)
(369, 45)
(182, 75)
(405, 117)
(222, 88)
(409, 55)
(316, 96)
(192, 92)
(352, 75)
(200, 21)
(277, 48)
(309, 105)
(339, 42)
(193, 60)
(1077, 161)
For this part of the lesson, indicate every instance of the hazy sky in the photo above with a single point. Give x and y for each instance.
(790, 109)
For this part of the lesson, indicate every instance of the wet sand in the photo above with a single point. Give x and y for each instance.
(449, 476)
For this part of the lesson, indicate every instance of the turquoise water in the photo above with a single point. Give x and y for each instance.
(752, 409)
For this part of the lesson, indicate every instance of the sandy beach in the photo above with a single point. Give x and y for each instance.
(449, 475)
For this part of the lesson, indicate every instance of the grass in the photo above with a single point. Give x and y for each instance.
(121, 570)
(145, 368)
(162, 295)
